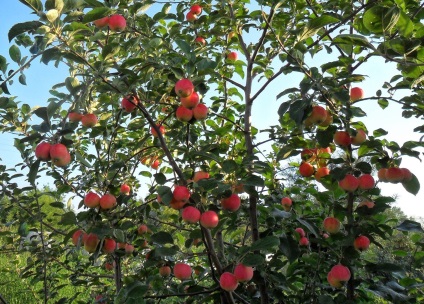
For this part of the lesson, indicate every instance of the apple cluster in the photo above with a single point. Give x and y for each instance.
(88, 120)
(318, 157)
(190, 107)
(106, 201)
(193, 14)
(303, 240)
(394, 175)
(57, 153)
(116, 23)
(229, 281)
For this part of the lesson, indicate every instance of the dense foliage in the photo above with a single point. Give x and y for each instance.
(150, 143)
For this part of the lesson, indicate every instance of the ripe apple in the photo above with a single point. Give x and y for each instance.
(321, 172)
(42, 151)
(232, 56)
(100, 299)
(190, 17)
(303, 241)
(161, 130)
(142, 229)
(107, 201)
(333, 282)
(300, 231)
(318, 115)
(407, 175)
(165, 271)
(89, 120)
(91, 200)
(307, 154)
(125, 189)
(394, 175)
(78, 237)
(102, 22)
(190, 214)
(356, 93)
(182, 271)
(349, 183)
(196, 9)
(366, 182)
(209, 219)
(109, 266)
(340, 273)
(184, 87)
(359, 138)
(129, 248)
(231, 203)
(190, 101)
(369, 205)
(155, 164)
(109, 245)
(328, 121)
(306, 169)
(200, 175)
(181, 193)
(342, 138)
(200, 40)
(200, 112)
(59, 155)
(74, 116)
(177, 205)
(228, 281)
(361, 243)
(184, 114)
(117, 23)
(331, 225)
(381, 174)
(243, 273)
(91, 242)
(286, 202)
(129, 103)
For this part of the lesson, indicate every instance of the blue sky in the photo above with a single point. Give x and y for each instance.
(40, 78)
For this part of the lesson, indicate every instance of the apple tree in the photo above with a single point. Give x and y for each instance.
(152, 136)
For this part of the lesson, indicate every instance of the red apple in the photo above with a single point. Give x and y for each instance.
(196, 9)
(317, 116)
(359, 138)
(117, 23)
(200, 112)
(190, 214)
(125, 189)
(184, 114)
(333, 282)
(91, 200)
(356, 93)
(286, 202)
(321, 172)
(129, 248)
(361, 243)
(243, 273)
(232, 56)
(340, 273)
(182, 271)
(300, 231)
(181, 193)
(107, 201)
(303, 241)
(331, 225)
(89, 120)
(349, 183)
(142, 229)
(231, 203)
(342, 138)
(42, 151)
(407, 175)
(165, 271)
(306, 169)
(161, 130)
(190, 101)
(109, 266)
(228, 281)
(184, 87)
(200, 40)
(59, 155)
(102, 22)
(91, 242)
(155, 164)
(74, 116)
(328, 120)
(177, 205)
(394, 175)
(129, 103)
(382, 174)
(307, 154)
(78, 237)
(109, 245)
(369, 205)
(190, 17)
(209, 219)
(200, 175)
(366, 181)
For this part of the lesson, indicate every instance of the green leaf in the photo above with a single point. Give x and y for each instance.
(353, 39)
(254, 180)
(253, 260)
(15, 53)
(3, 64)
(310, 226)
(32, 174)
(68, 218)
(314, 25)
(383, 103)
(95, 14)
(229, 166)
(283, 108)
(165, 194)
(42, 113)
(166, 251)
(289, 247)
(265, 244)
(20, 28)
(82, 160)
(184, 46)
(408, 225)
(162, 238)
(412, 186)
(160, 178)
(131, 293)
(36, 5)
